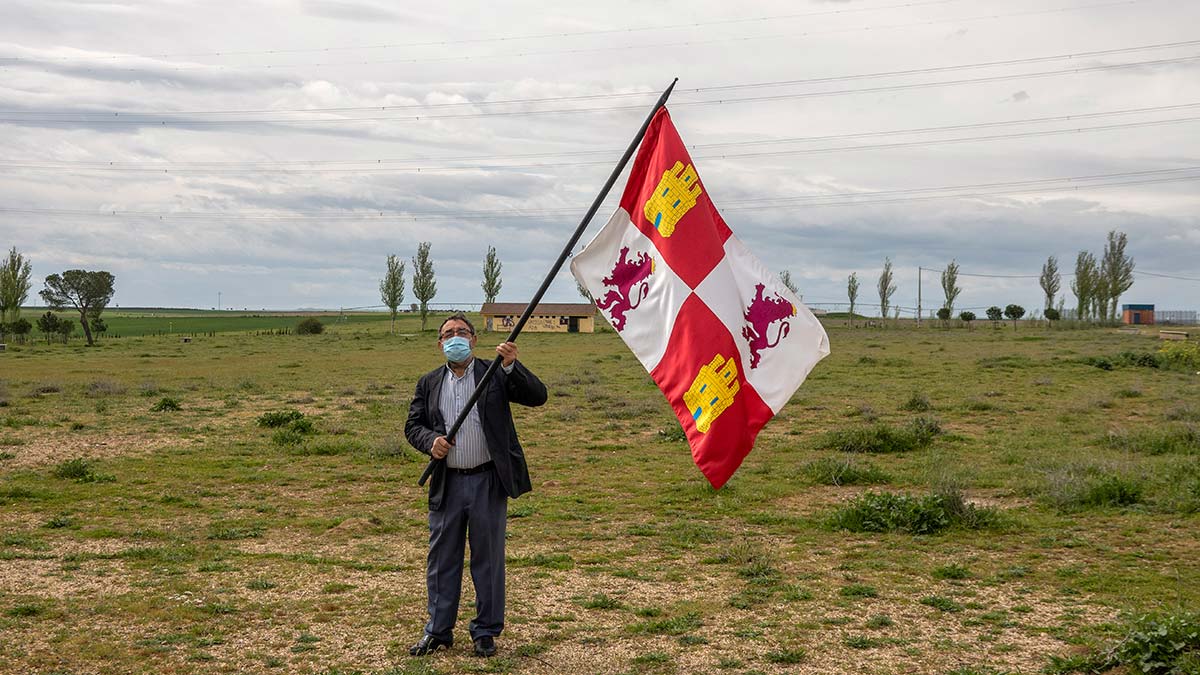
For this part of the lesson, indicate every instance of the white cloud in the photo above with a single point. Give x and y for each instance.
(76, 59)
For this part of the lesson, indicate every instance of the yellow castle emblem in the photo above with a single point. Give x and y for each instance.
(712, 391)
(675, 195)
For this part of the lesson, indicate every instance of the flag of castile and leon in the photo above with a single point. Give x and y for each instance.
(726, 342)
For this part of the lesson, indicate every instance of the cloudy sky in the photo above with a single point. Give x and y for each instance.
(276, 153)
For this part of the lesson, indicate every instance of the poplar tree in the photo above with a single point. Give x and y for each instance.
(424, 283)
(785, 278)
(1050, 281)
(1116, 269)
(14, 285)
(491, 276)
(1084, 284)
(852, 293)
(886, 287)
(391, 287)
(950, 287)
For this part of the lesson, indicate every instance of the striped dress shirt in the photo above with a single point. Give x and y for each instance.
(470, 447)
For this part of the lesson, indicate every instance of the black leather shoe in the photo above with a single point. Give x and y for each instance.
(429, 644)
(485, 646)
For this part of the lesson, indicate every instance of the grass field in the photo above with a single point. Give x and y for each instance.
(933, 501)
(166, 322)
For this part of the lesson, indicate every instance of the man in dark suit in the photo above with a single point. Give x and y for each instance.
(468, 492)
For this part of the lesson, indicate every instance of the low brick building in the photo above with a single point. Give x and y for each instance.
(547, 317)
(1140, 315)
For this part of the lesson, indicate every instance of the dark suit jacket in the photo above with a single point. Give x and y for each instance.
(425, 423)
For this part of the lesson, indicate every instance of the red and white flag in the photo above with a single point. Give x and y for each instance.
(726, 342)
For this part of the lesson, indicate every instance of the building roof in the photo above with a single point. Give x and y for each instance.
(1137, 308)
(543, 309)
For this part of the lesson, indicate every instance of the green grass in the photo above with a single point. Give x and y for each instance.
(200, 528)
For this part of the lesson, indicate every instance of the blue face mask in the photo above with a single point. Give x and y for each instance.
(457, 349)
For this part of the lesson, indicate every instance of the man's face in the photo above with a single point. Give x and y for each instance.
(456, 328)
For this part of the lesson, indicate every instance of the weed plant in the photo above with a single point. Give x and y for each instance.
(928, 514)
(880, 438)
(844, 471)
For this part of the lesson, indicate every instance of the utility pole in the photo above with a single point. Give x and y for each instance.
(218, 301)
(919, 268)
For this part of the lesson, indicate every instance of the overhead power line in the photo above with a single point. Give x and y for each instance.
(750, 203)
(638, 94)
(1165, 276)
(379, 167)
(660, 45)
(515, 38)
(561, 111)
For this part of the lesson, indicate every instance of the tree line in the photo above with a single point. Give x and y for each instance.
(86, 292)
(424, 281)
(1098, 285)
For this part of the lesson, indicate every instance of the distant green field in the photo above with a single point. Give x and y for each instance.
(139, 323)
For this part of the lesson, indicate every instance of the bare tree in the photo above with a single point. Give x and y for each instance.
(391, 287)
(886, 288)
(1050, 280)
(14, 285)
(491, 276)
(424, 282)
(785, 278)
(950, 287)
(1084, 284)
(1116, 269)
(87, 292)
(852, 293)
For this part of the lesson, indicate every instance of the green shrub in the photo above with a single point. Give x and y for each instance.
(881, 438)
(1181, 355)
(1160, 644)
(942, 603)
(918, 402)
(310, 326)
(1179, 439)
(279, 418)
(1073, 488)
(166, 404)
(287, 437)
(952, 571)
(844, 471)
(929, 514)
(80, 470)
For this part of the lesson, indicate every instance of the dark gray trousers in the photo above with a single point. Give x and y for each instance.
(475, 507)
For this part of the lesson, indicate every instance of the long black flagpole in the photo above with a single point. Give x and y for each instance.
(562, 257)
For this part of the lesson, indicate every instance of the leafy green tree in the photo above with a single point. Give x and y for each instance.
(491, 276)
(944, 314)
(1014, 312)
(1050, 281)
(1052, 314)
(967, 318)
(424, 281)
(886, 288)
(1116, 269)
(310, 326)
(1084, 284)
(950, 287)
(852, 293)
(994, 313)
(15, 271)
(87, 292)
(391, 287)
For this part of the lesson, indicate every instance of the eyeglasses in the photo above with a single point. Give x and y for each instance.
(457, 332)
